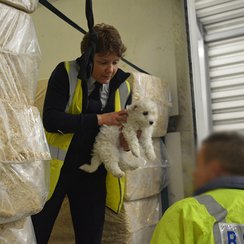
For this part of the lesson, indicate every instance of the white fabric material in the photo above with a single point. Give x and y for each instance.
(104, 93)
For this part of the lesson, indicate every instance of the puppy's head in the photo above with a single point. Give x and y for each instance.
(143, 112)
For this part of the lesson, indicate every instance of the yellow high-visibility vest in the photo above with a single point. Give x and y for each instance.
(59, 144)
(215, 217)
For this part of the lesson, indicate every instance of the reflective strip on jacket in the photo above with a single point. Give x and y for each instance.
(214, 217)
(59, 143)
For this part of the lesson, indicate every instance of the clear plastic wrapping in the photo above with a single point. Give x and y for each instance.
(151, 178)
(18, 232)
(18, 75)
(148, 86)
(28, 6)
(142, 236)
(40, 94)
(23, 189)
(22, 135)
(19, 56)
(134, 216)
(17, 32)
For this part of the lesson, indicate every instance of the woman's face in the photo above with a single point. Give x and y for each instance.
(105, 67)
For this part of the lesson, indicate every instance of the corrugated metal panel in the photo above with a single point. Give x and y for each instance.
(223, 22)
(236, 13)
(221, 19)
(210, 8)
(226, 74)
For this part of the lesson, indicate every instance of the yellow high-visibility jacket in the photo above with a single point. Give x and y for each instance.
(216, 216)
(59, 142)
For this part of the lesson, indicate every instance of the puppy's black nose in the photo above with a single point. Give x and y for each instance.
(151, 122)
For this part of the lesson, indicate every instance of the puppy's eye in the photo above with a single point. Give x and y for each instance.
(145, 113)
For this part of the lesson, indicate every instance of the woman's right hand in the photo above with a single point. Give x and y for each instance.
(113, 118)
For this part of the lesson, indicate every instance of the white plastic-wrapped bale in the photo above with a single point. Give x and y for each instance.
(148, 86)
(18, 232)
(134, 216)
(28, 6)
(17, 32)
(40, 94)
(19, 55)
(22, 135)
(23, 189)
(18, 77)
(142, 236)
(151, 177)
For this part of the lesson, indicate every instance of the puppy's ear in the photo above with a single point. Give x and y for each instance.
(131, 107)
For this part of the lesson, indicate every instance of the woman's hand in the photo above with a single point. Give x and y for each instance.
(113, 118)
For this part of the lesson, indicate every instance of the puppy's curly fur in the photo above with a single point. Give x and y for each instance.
(142, 115)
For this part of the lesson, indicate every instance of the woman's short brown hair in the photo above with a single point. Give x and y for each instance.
(228, 149)
(108, 40)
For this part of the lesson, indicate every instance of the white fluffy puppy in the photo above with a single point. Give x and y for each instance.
(142, 116)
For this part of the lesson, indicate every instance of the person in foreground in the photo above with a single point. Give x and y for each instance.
(215, 214)
(82, 95)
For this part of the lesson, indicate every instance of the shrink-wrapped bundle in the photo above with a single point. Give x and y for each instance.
(149, 179)
(142, 236)
(28, 6)
(19, 55)
(18, 78)
(134, 216)
(22, 135)
(17, 32)
(18, 232)
(148, 86)
(23, 189)
(40, 94)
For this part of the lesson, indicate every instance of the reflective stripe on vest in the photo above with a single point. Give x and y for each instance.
(57, 152)
(72, 68)
(120, 96)
(216, 210)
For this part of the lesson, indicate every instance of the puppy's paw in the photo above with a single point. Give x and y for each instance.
(118, 174)
(134, 166)
(130, 166)
(87, 168)
(151, 155)
(136, 152)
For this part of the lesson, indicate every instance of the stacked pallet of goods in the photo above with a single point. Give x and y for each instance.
(24, 152)
(142, 209)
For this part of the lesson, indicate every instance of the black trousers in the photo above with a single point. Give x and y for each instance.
(86, 193)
